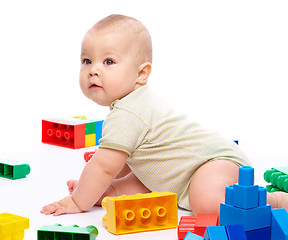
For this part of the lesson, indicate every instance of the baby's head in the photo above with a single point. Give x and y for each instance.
(116, 58)
(135, 33)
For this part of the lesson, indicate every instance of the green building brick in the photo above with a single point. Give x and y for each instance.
(13, 170)
(58, 232)
(90, 128)
(278, 177)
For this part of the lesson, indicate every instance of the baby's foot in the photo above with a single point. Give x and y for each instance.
(72, 185)
(282, 200)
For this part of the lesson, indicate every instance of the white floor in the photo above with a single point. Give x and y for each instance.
(51, 167)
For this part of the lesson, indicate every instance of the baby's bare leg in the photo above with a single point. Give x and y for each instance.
(127, 185)
(207, 187)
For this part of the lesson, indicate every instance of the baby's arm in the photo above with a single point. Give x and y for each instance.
(95, 179)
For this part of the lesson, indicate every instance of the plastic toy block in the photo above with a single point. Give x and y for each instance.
(278, 177)
(246, 176)
(262, 191)
(90, 140)
(140, 212)
(236, 232)
(203, 221)
(90, 128)
(245, 194)
(279, 224)
(186, 224)
(63, 133)
(262, 233)
(251, 219)
(89, 155)
(215, 233)
(13, 170)
(192, 236)
(99, 125)
(12, 226)
(70, 132)
(58, 232)
(271, 188)
(196, 224)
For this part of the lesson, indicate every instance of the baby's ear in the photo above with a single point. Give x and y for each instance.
(144, 71)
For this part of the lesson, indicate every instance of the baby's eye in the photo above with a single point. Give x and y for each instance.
(109, 61)
(86, 61)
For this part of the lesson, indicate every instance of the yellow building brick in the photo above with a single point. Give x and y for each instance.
(12, 226)
(140, 212)
(90, 140)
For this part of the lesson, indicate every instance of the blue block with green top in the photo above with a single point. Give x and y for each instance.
(13, 170)
(58, 232)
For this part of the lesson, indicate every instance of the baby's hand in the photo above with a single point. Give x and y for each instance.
(64, 206)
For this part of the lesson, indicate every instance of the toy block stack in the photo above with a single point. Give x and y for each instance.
(12, 226)
(278, 177)
(58, 232)
(140, 212)
(245, 214)
(74, 132)
(13, 170)
(245, 204)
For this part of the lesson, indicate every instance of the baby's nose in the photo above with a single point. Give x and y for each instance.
(94, 71)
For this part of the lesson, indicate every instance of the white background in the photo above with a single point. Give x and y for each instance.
(222, 63)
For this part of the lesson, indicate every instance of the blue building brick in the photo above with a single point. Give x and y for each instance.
(98, 131)
(215, 233)
(245, 196)
(251, 219)
(193, 236)
(259, 234)
(235, 232)
(279, 224)
(246, 176)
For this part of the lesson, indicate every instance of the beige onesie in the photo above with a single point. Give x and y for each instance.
(164, 148)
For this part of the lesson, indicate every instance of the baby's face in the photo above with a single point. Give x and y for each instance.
(109, 68)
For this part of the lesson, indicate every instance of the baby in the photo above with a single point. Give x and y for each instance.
(145, 146)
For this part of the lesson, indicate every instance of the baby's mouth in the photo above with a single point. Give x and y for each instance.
(94, 86)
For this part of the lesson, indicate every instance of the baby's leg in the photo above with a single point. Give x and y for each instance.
(127, 185)
(207, 187)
